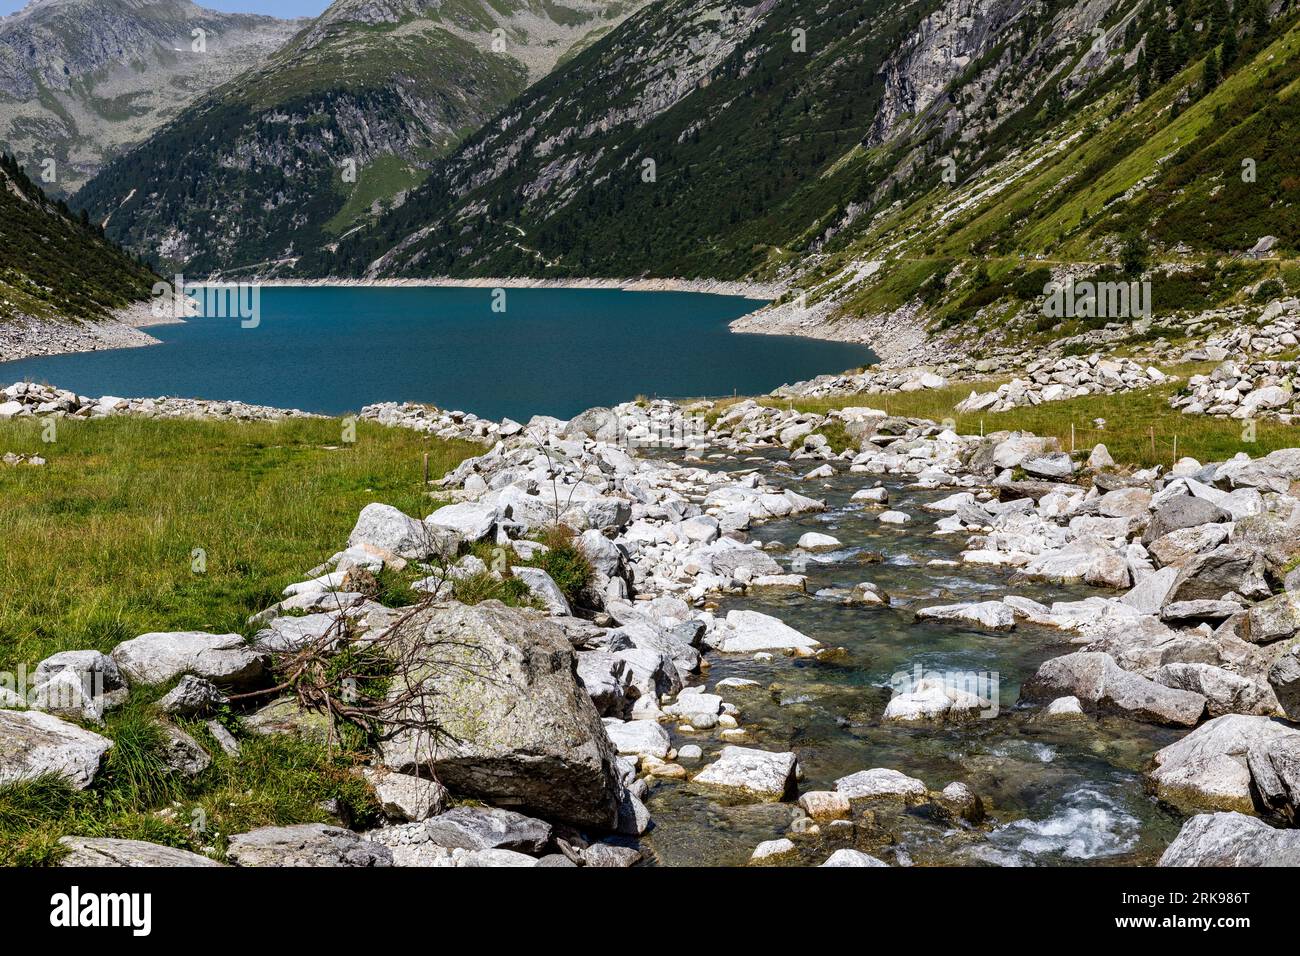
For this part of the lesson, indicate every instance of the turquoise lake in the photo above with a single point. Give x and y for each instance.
(552, 351)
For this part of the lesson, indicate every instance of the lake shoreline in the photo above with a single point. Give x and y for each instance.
(751, 290)
(31, 337)
(634, 344)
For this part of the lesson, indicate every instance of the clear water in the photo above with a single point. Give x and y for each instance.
(1059, 793)
(553, 351)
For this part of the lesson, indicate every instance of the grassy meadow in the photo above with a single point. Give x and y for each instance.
(98, 547)
(99, 544)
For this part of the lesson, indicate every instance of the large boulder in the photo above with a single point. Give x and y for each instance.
(383, 526)
(471, 520)
(1284, 678)
(846, 856)
(1150, 594)
(1182, 511)
(933, 700)
(1272, 620)
(747, 632)
(224, 659)
(637, 738)
(1097, 679)
(103, 851)
(1124, 503)
(504, 716)
(33, 744)
(543, 587)
(726, 558)
(488, 828)
(1274, 472)
(97, 672)
(1178, 547)
(607, 679)
(882, 783)
(990, 615)
(1209, 769)
(192, 697)
(403, 797)
(180, 752)
(1232, 839)
(1012, 452)
(1054, 465)
(1224, 691)
(306, 844)
(1276, 538)
(599, 423)
(1275, 772)
(1228, 568)
(577, 506)
(643, 635)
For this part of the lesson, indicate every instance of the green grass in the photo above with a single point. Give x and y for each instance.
(276, 781)
(98, 548)
(99, 543)
(378, 181)
(565, 561)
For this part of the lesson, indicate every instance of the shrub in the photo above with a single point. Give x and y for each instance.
(1267, 290)
(565, 561)
(485, 586)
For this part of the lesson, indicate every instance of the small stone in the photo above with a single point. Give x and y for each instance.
(770, 851)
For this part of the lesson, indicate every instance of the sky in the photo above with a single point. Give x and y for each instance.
(279, 8)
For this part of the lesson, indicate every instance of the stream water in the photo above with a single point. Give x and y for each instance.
(1057, 792)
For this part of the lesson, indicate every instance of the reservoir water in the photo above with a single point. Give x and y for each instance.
(551, 351)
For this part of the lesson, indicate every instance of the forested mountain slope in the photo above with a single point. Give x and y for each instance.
(54, 265)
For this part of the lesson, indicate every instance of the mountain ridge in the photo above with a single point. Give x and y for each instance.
(340, 124)
(81, 80)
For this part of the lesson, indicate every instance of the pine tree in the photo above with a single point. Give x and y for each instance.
(1229, 44)
(1218, 21)
(1162, 64)
(1259, 29)
(1210, 74)
(1133, 255)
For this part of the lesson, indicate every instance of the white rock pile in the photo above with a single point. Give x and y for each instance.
(1242, 390)
(1277, 329)
(1059, 379)
(30, 399)
(874, 380)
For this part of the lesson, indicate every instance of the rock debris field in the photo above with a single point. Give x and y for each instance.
(774, 638)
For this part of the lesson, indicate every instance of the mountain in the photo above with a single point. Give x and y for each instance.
(1159, 153)
(338, 126)
(764, 122)
(54, 266)
(901, 165)
(83, 80)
